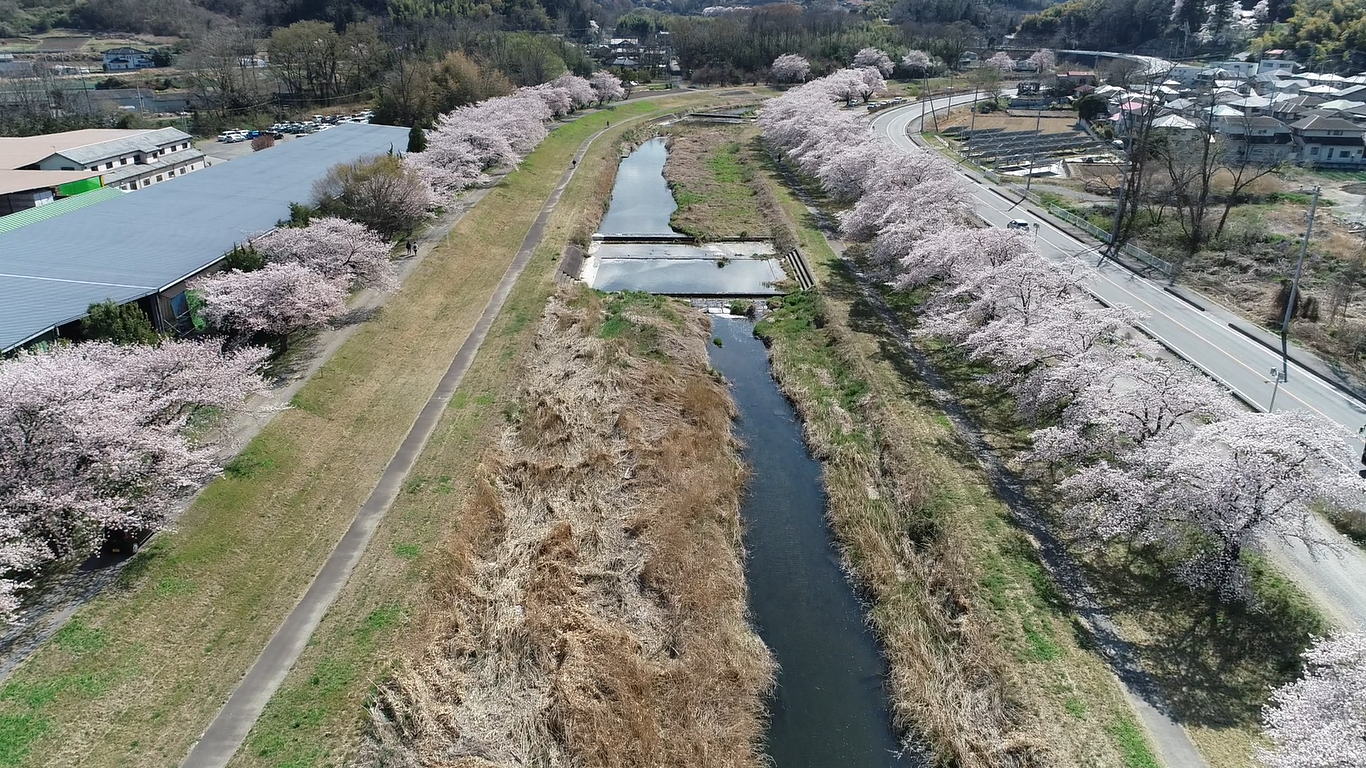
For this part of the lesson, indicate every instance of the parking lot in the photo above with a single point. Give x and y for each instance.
(220, 152)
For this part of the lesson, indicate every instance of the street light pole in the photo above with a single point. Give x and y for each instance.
(1295, 289)
(1279, 378)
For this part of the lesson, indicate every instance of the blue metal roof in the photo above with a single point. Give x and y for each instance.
(51, 271)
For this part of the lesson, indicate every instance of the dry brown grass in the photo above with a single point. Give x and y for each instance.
(986, 668)
(592, 604)
(1049, 123)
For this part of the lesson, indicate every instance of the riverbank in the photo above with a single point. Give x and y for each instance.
(987, 665)
(137, 674)
(591, 609)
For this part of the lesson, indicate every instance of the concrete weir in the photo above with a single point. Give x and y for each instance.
(637, 250)
(747, 268)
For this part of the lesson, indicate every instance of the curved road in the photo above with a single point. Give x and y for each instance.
(1202, 335)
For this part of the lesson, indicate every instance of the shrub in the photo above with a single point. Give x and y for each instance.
(380, 192)
(119, 323)
(244, 258)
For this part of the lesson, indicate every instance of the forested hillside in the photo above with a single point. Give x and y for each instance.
(1176, 27)
(192, 17)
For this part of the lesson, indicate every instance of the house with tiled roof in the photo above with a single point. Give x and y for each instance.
(1329, 142)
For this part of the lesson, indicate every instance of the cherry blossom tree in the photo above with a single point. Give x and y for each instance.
(557, 100)
(917, 63)
(789, 68)
(849, 85)
(1043, 60)
(1113, 400)
(341, 251)
(1207, 496)
(277, 300)
(607, 86)
(580, 91)
(1319, 721)
(93, 438)
(471, 140)
(951, 254)
(874, 58)
(1001, 61)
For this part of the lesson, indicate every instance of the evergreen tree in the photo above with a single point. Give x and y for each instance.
(417, 139)
(119, 323)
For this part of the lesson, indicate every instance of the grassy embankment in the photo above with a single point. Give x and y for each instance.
(591, 605)
(987, 665)
(1215, 667)
(709, 173)
(140, 670)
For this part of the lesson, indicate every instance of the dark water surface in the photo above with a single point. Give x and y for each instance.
(830, 709)
(641, 200)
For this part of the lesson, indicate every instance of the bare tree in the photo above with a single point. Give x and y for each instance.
(223, 71)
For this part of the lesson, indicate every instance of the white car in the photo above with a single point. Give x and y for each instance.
(1019, 224)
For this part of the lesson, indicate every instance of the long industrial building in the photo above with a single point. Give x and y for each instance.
(145, 247)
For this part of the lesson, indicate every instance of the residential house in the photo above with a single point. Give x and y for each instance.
(1294, 108)
(127, 59)
(1258, 139)
(1267, 66)
(1239, 69)
(1329, 142)
(1252, 105)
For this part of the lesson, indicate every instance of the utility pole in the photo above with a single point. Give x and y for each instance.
(1033, 150)
(1295, 289)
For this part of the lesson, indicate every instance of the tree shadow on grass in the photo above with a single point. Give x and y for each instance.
(1215, 663)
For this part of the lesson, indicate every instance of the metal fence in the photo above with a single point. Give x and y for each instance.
(1161, 265)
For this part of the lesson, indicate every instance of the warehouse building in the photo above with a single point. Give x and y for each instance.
(127, 159)
(145, 247)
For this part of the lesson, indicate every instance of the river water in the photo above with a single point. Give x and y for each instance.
(830, 708)
(641, 200)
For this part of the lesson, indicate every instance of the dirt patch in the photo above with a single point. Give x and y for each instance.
(1048, 123)
(591, 609)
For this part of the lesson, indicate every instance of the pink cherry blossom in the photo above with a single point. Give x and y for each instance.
(789, 68)
(279, 299)
(607, 86)
(339, 250)
(94, 437)
(873, 58)
(1319, 721)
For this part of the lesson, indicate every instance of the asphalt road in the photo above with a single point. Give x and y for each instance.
(1202, 335)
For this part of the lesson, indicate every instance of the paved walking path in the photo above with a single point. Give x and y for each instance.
(230, 727)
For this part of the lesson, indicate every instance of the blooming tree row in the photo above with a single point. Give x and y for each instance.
(93, 439)
(1146, 451)
(1142, 450)
(499, 132)
(310, 269)
(304, 283)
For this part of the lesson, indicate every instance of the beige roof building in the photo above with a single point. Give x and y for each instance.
(17, 153)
